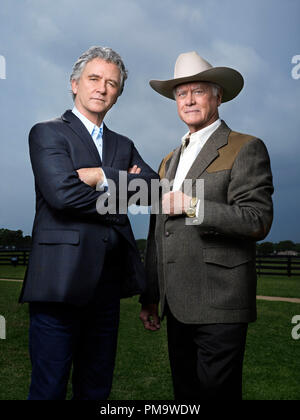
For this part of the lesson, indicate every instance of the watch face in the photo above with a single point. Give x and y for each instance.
(191, 212)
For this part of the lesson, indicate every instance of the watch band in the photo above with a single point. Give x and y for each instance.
(191, 211)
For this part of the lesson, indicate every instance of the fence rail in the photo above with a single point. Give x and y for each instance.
(278, 265)
(14, 257)
(273, 265)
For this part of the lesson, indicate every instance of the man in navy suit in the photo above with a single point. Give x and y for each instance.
(83, 260)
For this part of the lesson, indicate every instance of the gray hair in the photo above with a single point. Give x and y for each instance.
(216, 89)
(104, 53)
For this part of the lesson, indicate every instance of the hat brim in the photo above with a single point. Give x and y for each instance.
(229, 79)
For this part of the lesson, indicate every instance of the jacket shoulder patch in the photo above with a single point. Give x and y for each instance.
(162, 166)
(229, 152)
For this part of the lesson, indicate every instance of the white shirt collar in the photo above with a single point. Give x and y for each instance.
(202, 134)
(87, 123)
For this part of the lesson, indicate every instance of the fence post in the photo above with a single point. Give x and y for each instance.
(289, 266)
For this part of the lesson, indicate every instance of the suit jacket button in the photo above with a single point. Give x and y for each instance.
(105, 239)
(167, 234)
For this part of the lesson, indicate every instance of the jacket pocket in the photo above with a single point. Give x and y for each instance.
(231, 277)
(49, 237)
(225, 257)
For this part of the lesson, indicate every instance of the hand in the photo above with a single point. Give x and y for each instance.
(174, 203)
(134, 170)
(91, 176)
(149, 317)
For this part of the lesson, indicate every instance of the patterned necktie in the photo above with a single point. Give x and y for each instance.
(97, 136)
(185, 143)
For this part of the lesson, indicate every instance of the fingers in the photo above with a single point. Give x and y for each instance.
(150, 320)
(79, 171)
(166, 203)
(155, 321)
(169, 203)
(134, 170)
(83, 175)
(175, 202)
(90, 176)
(148, 325)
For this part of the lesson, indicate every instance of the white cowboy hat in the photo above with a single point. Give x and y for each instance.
(190, 67)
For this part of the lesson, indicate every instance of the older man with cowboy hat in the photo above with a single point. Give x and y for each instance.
(203, 272)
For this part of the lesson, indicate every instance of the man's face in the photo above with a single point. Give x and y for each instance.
(97, 89)
(197, 106)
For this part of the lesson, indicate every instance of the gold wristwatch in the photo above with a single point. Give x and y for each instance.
(191, 211)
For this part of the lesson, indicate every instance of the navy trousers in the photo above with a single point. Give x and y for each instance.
(63, 336)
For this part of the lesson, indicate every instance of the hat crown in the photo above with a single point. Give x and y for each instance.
(191, 67)
(189, 64)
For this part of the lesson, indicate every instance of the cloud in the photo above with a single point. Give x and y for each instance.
(243, 58)
(257, 38)
(184, 15)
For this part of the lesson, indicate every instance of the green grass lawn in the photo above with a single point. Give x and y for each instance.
(10, 272)
(266, 285)
(278, 286)
(14, 358)
(271, 368)
(142, 368)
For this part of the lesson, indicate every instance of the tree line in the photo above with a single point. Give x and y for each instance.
(16, 239)
(267, 248)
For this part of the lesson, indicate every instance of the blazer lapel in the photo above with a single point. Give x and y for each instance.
(171, 170)
(80, 130)
(109, 149)
(170, 173)
(209, 152)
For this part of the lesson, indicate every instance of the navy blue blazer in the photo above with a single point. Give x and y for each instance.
(69, 235)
